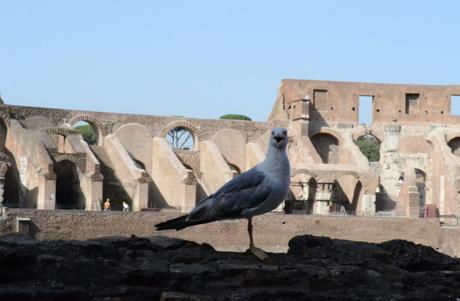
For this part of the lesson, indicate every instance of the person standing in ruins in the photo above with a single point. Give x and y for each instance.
(107, 206)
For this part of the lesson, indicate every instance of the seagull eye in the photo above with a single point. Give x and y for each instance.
(284, 132)
(273, 133)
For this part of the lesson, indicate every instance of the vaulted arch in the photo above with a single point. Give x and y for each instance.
(194, 130)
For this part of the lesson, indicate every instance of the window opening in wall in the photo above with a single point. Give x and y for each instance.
(412, 102)
(365, 109)
(455, 105)
(87, 131)
(180, 138)
(369, 145)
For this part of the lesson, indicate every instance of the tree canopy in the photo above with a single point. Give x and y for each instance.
(370, 147)
(235, 117)
(87, 133)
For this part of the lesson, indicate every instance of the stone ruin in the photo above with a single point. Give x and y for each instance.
(46, 164)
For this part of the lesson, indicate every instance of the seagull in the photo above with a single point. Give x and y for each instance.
(254, 192)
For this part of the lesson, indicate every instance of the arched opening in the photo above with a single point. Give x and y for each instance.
(68, 191)
(11, 184)
(454, 145)
(3, 132)
(339, 199)
(420, 182)
(180, 138)
(356, 195)
(88, 131)
(369, 145)
(327, 147)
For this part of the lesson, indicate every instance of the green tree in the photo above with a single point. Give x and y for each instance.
(87, 133)
(370, 147)
(235, 117)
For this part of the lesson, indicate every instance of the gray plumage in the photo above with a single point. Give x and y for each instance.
(257, 191)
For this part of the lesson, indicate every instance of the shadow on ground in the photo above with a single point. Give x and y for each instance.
(160, 268)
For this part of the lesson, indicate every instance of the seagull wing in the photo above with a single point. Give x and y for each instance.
(245, 191)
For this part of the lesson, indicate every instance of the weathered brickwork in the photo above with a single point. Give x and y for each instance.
(47, 165)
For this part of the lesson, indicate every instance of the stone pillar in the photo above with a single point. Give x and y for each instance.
(141, 194)
(322, 198)
(367, 204)
(390, 161)
(189, 193)
(47, 192)
(94, 192)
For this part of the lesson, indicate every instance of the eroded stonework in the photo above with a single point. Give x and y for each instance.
(132, 160)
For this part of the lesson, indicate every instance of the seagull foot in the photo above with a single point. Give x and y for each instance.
(259, 253)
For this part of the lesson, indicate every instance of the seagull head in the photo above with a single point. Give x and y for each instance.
(279, 138)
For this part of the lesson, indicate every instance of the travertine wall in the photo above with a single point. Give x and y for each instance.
(413, 123)
(272, 232)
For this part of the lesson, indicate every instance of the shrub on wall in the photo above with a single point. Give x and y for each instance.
(235, 117)
(370, 147)
(87, 133)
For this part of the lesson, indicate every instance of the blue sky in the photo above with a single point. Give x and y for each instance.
(208, 58)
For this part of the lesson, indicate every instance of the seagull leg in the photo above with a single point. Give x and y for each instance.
(259, 253)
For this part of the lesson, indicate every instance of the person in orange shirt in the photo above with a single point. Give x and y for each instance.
(107, 205)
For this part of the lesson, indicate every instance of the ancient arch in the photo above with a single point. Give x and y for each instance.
(98, 126)
(327, 147)
(369, 145)
(78, 159)
(196, 132)
(68, 191)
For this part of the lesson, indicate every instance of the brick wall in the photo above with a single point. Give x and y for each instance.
(272, 232)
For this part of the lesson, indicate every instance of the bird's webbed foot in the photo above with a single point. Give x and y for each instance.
(259, 253)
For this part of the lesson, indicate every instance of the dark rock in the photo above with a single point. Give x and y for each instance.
(299, 245)
(316, 268)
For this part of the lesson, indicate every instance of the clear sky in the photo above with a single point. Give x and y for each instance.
(208, 58)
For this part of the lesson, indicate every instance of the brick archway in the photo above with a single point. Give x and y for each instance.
(96, 123)
(196, 132)
(78, 159)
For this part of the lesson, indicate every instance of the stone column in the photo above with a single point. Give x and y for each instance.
(189, 196)
(322, 198)
(94, 192)
(367, 204)
(47, 192)
(141, 194)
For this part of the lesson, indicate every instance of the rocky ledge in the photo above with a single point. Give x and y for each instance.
(160, 268)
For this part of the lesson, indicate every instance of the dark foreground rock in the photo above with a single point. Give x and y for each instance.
(160, 268)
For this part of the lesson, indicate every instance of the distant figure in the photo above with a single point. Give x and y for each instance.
(107, 206)
(125, 206)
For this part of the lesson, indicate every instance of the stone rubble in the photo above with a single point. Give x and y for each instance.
(161, 268)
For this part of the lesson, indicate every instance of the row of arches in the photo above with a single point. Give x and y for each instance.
(328, 147)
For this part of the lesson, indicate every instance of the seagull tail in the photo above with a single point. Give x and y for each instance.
(175, 223)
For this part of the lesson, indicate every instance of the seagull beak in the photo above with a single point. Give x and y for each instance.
(279, 140)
